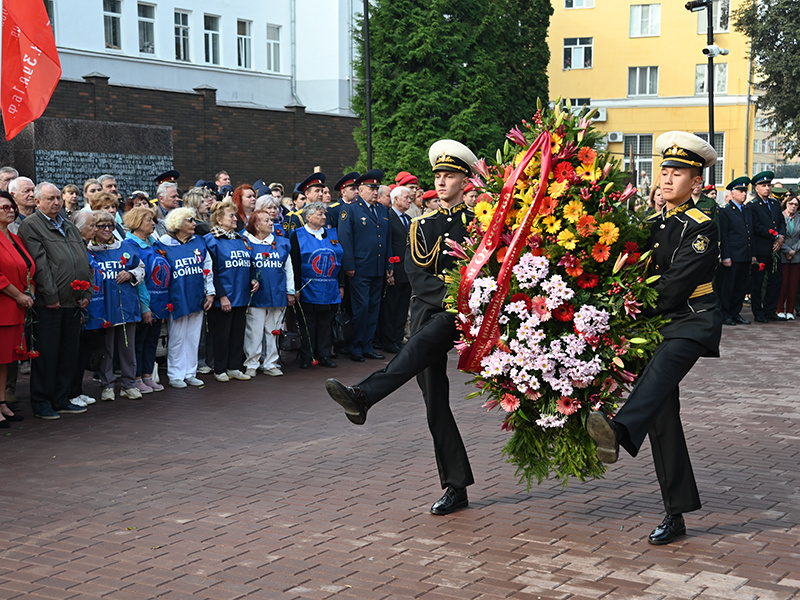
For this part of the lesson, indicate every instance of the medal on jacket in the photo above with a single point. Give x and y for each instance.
(364, 221)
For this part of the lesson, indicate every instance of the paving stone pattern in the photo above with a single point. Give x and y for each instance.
(263, 489)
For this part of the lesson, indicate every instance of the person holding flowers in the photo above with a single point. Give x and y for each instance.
(16, 277)
(769, 232)
(270, 255)
(682, 261)
(434, 330)
(123, 271)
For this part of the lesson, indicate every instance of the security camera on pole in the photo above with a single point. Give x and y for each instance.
(711, 50)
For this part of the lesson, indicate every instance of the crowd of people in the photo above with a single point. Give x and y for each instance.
(94, 280)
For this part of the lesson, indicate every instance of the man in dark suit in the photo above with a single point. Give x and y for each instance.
(366, 239)
(394, 308)
(434, 329)
(769, 230)
(736, 251)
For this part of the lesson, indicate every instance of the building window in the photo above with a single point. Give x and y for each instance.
(720, 16)
(211, 36)
(112, 15)
(578, 3)
(719, 146)
(640, 148)
(720, 78)
(578, 53)
(49, 6)
(244, 44)
(642, 81)
(147, 25)
(274, 48)
(645, 20)
(181, 35)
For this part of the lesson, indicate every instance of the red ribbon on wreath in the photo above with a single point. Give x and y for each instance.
(486, 340)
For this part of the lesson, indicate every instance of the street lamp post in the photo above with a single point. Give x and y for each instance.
(367, 85)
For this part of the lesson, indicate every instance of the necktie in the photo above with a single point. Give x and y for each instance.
(405, 221)
(374, 211)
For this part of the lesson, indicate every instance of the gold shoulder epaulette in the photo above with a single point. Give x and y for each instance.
(334, 205)
(697, 215)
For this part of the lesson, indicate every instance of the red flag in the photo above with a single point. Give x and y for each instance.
(31, 68)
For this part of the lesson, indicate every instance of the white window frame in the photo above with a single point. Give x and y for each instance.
(211, 39)
(720, 78)
(244, 44)
(576, 4)
(50, 7)
(642, 156)
(719, 146)
(578, 51)
(273, 48)
(721, 18)
(182, 35)
(636, 75)
(112, 24)
(645, 20)
(146, 23)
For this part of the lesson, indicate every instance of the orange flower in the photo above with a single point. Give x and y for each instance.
(586, 155)
(501, 254)
(586, 225)
(547, 206)
(601, 252)
(575, 271)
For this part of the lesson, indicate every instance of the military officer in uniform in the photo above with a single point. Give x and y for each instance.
(348, 192)
(366, 238)
(311, 188)
(434, 329)
(769, 229)
(685, 255)
(736, 251)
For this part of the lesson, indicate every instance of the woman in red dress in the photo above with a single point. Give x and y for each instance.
(16, 276)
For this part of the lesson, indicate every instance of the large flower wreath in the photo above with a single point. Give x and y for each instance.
(550, 291)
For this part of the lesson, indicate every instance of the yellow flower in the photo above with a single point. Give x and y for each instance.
(607, 232)
(512, 216)
(557, 189)
(484, 211)
(567, 239)
(589, 174)
(574, 211)
(532, 170)
(551, 224)
(556, 140)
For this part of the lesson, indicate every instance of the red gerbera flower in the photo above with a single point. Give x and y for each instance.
(588, 280)
(564, 313)
(567, 405)
(563, 171)
(631, 247)
(524, 298)
(633, 258)
(548, 206)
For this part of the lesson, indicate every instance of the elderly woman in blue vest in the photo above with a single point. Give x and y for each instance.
(123, 270)
(153, 295)
(316, 260)
(92, 334)
(272, 206)
(234, 284)
(191, 291)
(276, 291)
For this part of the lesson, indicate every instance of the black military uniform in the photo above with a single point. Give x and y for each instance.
(433, 335)
(736, 245)
(685, 254)
(768, 225)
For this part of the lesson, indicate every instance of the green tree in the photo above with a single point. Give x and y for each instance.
(774, 46)
(464, 69)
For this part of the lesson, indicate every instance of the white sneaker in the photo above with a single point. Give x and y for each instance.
(194, 381)
(221, 377)
(78, 401)
(237, 374)
(131, 393)
(250, 372)
(87, 399)
(274, 372)
(205, 370)
(790, 316)
(107, 395)
(177, 383)
(782, 315)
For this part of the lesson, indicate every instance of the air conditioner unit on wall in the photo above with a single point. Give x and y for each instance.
(614, 137)
(601, 116)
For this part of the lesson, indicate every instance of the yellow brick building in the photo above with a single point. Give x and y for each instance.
(642, 65)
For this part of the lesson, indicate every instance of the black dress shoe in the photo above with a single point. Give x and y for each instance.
(357, 357)
(741, 320)
(327, 362)
(671, 528)
(776, 317)
(762, 319)
(602, 431)
(306, 364)
(352, 399)
(374, 355)
(728, 322)
(453, 499)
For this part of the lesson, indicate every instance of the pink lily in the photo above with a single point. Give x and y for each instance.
(482, 168)
(516, 136)
(455, 249)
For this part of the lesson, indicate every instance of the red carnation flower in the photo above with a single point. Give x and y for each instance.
(265, 255)
(106, 324)
(33, 354)
(95, 288)
(761, 266)
(206, 272)
(123, 260)
(170, 307)
(315, 362)
(394, 259)
(276, 332)
(564, 313)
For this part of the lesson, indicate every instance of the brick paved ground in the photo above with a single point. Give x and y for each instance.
(265, 490)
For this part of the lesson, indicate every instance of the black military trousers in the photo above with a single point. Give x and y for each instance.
(394, 312)
(425, 355)
(653, 409)
(764, 296)
(735, 281)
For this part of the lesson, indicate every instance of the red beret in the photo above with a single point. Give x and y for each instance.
(430, 195)
(404, 178)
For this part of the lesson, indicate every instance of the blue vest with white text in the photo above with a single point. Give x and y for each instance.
(232, 266)
(319, 269)
(270, 273)
(96, 311)
(156, 279)
(187, 291)
(121, 299)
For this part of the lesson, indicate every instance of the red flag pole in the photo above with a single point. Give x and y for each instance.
(30, 68)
